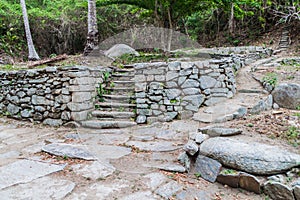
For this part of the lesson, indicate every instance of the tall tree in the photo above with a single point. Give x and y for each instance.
(32, 54)
(92, 36)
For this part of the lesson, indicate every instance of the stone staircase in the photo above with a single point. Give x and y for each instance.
(117, 110)
(285, 40)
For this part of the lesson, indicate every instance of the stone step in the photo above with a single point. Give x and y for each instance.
(251, 91)
(118, 70)
(99, 124)
(113, 115)
(101, 131)
(123, 78)
(115, 106)
(124, 83)
(119, 98)
(127, 91)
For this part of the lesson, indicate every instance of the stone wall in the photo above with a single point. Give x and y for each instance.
(177, 89)
(51, 95)
(165, 91)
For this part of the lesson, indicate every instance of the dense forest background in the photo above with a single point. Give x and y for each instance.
(60, 26)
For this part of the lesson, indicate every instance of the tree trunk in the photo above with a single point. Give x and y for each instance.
(32, 54)
(231, 20)
(92, 37)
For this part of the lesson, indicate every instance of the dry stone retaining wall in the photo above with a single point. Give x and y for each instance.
(51, 95)
(168, 90)
(165, 91)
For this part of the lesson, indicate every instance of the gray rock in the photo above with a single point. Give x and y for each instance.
(24, 171)
(287, 95)
(63, 98)
(214, 100)
(155, 180)
(208, 168)
(196, 100)
(65, 115)
(275, 106)
(189, 83)
(171, 75)
(200, 137)
(157, 146)
(68, 151)
(141, 119)
(21, 94)
(171, 167)
(185, 160)
(191, 147)
(216, 131)
(263, 105)
(95, 171)
(40, 100)
(42, 188)
(119, 50)
(169, 116)
(207, 82)
(249, 183)
(174, 66)
(53, 122)
(241, 112)
(277, 178)
(168, 190)
(230, 179)
(172, 93)
(254, 158)
(296, 190)
(26, 113)
(278, 191)
(12, 109)
(191, 91)
(142, 195)
(193, 194)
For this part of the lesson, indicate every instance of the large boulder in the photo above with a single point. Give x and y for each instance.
(119, 50)
(287, 95)
(255, 158)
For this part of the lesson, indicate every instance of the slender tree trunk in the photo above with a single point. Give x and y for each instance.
(170, 32)
(92, 37)
(231, 20)
(32, 54)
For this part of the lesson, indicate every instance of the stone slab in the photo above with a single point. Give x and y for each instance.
(154, 180)
(24, 171)
(143, 195)
(168, 190)
(207, 168)
(156, 146)
(254, 158)
(96, 170)
(68, 150)
(278, 191)
(42, 188)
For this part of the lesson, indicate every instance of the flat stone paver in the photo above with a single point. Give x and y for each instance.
(99, 191)
(42, 188)
(69, 151)
(96, 170)
(24, 171)
(158, 146)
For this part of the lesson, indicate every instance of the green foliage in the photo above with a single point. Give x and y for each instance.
(271, 78)
(229, 171)
(293, 135)
(197, 175)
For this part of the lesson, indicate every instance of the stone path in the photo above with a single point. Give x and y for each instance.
(249, 92)
(129, 165)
